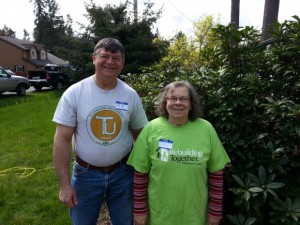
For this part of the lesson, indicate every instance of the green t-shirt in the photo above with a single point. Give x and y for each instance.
(178, 160)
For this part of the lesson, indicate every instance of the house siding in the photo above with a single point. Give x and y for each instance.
(12, 56)
(15, 52)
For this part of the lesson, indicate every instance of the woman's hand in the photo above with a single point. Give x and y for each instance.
(213, 220)
(140, 219)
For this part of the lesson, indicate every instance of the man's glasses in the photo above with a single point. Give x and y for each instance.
(115, 58)
(183, 99)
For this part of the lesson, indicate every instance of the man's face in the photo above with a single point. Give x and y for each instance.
(108, 64)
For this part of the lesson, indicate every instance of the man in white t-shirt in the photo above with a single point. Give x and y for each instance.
(101, 116)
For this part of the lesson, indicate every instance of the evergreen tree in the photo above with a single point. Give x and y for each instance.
(50, 28)
(69, 29)
(136, 36)
(25, 35)
(7, 32)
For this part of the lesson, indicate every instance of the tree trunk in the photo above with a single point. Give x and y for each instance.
(135, 12)
(235, 13)
(270, 17)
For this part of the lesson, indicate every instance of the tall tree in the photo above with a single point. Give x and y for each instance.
(271, 10)
(7, 32)
(136, 36)
(49, 26)
(182, 54)
(203, 32)
(25, 35)
(69, 23)
(235, 13)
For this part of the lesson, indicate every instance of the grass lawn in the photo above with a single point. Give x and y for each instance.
(28, 185)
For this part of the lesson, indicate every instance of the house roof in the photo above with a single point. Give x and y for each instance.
(38, 62)
(56, 60)
(23, 44)
(27, 45)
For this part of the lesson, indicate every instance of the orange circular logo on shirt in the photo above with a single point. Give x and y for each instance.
(104, 125)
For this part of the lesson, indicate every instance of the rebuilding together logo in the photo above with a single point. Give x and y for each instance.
(188, 156)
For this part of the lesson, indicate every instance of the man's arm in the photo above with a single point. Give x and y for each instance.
(62, 158)
(135, 133)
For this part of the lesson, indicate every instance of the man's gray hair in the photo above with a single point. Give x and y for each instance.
(110, 44)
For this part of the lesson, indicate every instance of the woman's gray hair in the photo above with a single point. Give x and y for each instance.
(160, 101)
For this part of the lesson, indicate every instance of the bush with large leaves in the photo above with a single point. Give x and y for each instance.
(250, 92)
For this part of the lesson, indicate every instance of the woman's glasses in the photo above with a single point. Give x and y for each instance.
(183, 99)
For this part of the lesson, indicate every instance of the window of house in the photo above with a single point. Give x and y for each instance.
(20, 68)
(33, 54)
(43, 54)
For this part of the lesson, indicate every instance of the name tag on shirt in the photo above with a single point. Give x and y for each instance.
(122, 105)
(166, 144)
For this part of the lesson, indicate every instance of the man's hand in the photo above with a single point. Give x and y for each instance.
(67, 196)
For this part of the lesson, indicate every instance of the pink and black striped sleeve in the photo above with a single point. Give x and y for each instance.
(140, 187)
(215, 183)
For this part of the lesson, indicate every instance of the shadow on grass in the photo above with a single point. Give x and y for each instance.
(53, 92)
(11, 98)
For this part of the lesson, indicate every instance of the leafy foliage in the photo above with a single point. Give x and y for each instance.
(287, 212)
(143, 47)
(7, 32)
(250, 93)
(136, 36)
(241, 220)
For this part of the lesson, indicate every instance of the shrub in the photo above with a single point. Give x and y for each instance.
(250, 92)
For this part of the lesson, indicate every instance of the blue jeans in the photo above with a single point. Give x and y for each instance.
(93, 186)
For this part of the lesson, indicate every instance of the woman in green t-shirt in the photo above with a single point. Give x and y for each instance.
(178, 161)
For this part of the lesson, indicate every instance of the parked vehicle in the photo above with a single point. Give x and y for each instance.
(13, 83)
(10, 72)
(52, 75)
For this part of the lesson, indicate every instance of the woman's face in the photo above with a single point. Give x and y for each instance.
(178, 105)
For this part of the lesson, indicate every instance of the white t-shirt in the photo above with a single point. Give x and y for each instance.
(102, 120)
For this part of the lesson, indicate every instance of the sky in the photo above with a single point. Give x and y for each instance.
(177, 14)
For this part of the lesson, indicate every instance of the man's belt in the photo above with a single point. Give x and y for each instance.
(100, 168)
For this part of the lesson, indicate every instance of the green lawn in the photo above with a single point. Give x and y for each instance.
(28, 186)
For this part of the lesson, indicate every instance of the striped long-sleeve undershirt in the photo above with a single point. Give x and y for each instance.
(140, 187)
(215, 183)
